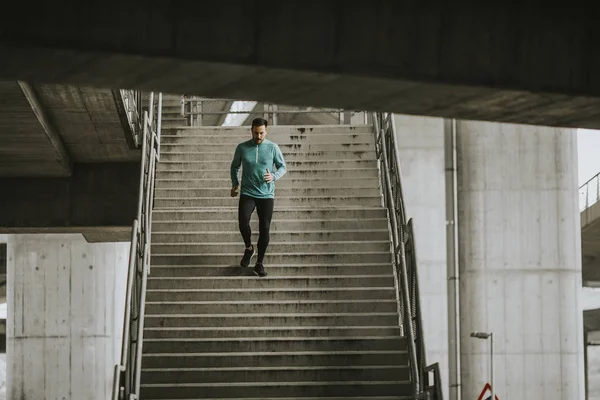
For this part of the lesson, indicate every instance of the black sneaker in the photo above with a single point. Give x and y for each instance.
(259, 270)
(248, 254)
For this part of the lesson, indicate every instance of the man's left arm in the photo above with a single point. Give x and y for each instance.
(279, 164)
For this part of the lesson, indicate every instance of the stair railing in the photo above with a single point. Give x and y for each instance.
(126, 384)
(193, 108)
(425, 386)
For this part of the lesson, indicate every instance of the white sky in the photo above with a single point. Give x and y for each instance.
(589, 160)
(588, 144)
(238, 119)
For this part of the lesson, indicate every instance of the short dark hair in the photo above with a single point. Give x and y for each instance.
(259, 122)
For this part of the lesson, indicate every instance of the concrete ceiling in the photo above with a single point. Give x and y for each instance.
(520, 63)
(44, 129)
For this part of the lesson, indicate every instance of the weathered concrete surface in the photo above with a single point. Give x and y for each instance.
(98, 200)
(46, 128)
(66, 302)
(421, 153)
(89, 122)
(520, 260)
(25, 148)
(591, 321)
(590, 245)
(522, 62)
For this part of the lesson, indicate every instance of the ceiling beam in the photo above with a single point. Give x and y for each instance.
(49, 128)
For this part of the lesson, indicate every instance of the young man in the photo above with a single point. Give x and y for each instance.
(256, 157)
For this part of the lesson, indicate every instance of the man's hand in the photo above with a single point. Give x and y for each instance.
(234, 191)
(268, 177)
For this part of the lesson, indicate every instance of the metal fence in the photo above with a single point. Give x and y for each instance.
(589, 192)
(213, 112)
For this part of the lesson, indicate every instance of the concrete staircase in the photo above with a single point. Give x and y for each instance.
(322, 325)
(171, 112)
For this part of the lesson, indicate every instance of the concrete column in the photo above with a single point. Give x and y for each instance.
(421, 151)
(520, 260)
(65, 310)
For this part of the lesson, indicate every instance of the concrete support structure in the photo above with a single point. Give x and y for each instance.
(453, 60)
(98, 200)
(520, 260)
(65, 312)
(421, 151)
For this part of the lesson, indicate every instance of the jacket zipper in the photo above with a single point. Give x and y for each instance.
(256, 154)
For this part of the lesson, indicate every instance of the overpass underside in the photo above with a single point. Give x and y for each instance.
(521, 63)
(68, 161)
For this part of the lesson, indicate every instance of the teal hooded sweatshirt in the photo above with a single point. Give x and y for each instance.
(255, 159)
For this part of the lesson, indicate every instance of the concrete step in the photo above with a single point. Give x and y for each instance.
(264, 390)
(321, 398)
(282, 359)
(385, 292)
(270, 344)
(273, 131)
(275, 246)
(270, 320)
(276, 306)
(281, 140)
(169, 120)
(271, 282)
(284, 214)
(354, 183)
(271, 332)
(225, 164)
(286, 148)
(276, 390)
(348, 257)
(172, 236)
(279, 192)
(316, 155)
(274, 270)
(306, 173)
(281, 374)
(310, 226)
(370, 200)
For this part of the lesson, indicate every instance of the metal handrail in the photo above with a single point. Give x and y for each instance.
(126, 384)
(585, 189)
(433, 387)
(193, 108)
(405, 261)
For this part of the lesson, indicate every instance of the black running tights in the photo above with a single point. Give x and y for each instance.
(264, 209)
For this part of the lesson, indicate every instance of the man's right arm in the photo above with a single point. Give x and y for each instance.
(235, 169)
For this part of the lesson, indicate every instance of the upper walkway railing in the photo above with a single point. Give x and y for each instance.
(589, 192)
(198, 111)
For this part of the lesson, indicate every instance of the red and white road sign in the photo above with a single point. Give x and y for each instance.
(486, 393)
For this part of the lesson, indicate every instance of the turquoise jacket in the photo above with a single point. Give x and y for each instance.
(255, 159)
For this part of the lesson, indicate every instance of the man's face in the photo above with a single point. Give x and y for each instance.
(259, 133)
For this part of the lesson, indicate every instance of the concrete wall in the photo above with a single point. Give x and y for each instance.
(2, 376)
(101, 196)
(421, 152)
(593, 372)
(65, 310)
(520, 260)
